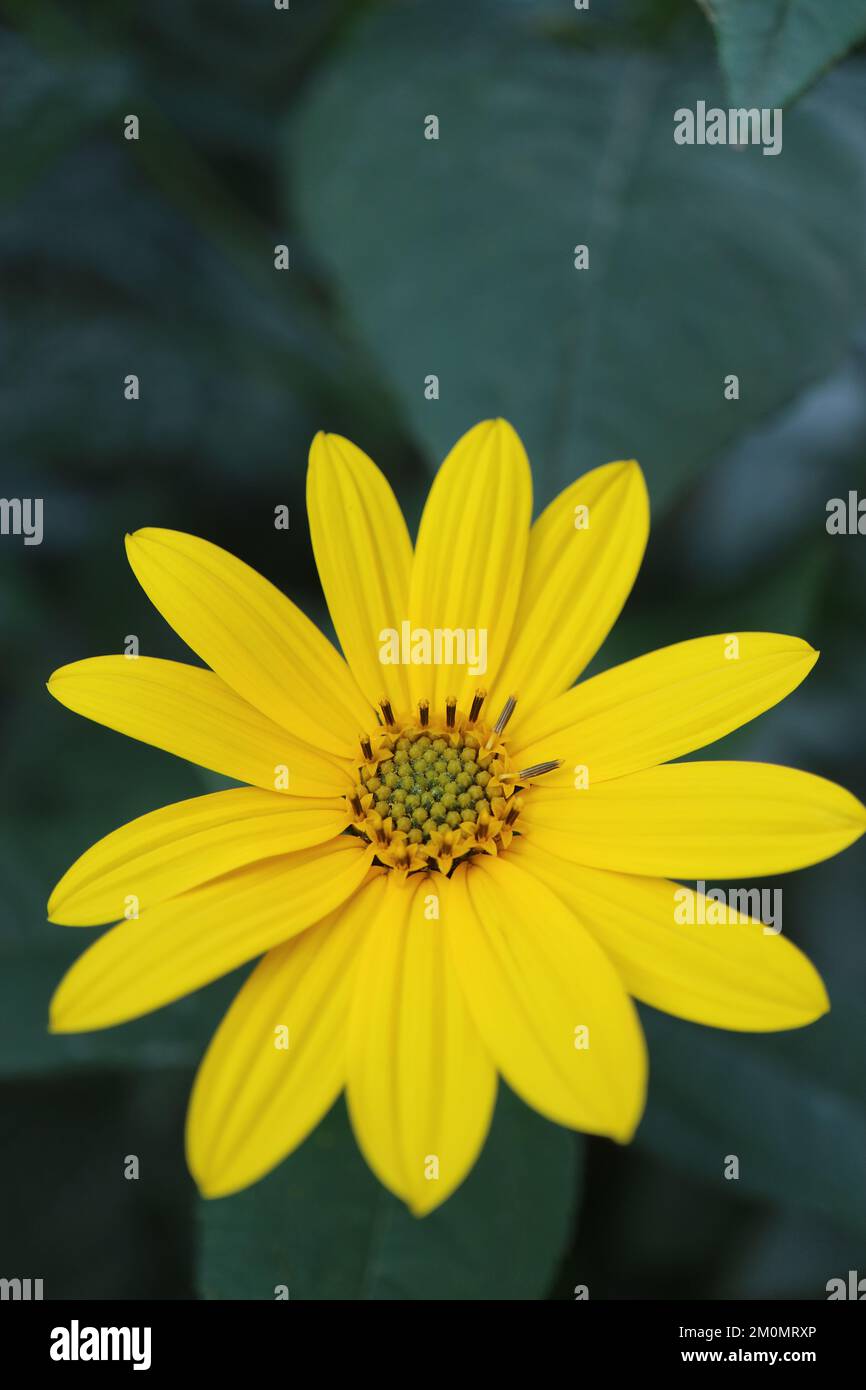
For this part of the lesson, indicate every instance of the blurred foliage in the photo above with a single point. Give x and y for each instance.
(544, 146)
(70, 1215)
(409, 256)
(771, 50)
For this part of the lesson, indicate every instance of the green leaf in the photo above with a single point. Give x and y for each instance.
(322, 1225)
(46, 110)
(67, 1142)
(772, 50)
(789, 1106)
(246, 343)
(455, 256)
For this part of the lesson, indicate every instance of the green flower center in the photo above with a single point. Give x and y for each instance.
(432, 783)
(434, 791)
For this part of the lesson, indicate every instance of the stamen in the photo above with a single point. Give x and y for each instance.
(507, 711)
(424, 712)
(378, 829)
(539, 769)
(499, 726)
(385, 706)
(513, 811)
(366, 748)
(477, 701)
(450, 711)
(355, 803)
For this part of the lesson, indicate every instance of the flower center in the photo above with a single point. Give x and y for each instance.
(432, 791)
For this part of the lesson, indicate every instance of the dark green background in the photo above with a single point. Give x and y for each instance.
(411, 257)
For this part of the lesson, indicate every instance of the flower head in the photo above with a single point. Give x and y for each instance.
(447, 876)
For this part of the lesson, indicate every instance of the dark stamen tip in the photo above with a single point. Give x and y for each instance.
(539, 769)
(477, 701)
(507, 711)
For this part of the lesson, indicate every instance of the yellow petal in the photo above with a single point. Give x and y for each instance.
(576, 581)
(178, 847)
(183, 944)
(539, 987)
(698, 820)
(730, 973)
(661, 705)
(278, 1060)
(469, 556)
(421, 1087)
(254, 637)
(364, 557)
(192, 713)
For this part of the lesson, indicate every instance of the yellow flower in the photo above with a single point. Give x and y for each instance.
(443, 886)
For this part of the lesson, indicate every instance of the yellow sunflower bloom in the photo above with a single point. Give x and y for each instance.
(453, 861)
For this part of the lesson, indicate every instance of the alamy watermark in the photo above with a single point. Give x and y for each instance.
(21, 1290)
(846, 516)
(853, 1287)
(737, 126)
(717, 907)
(77, 1343)
(22, 516)
(438, 646)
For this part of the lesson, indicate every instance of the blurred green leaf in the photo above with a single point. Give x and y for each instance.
(813, 450)
(164, 268)
(213, 332)
(790, 1106)
(636, 1207)
(47, 109)
(455, 256)
(771, 50)
(787, 1255)
(253, 55)
(323, 1226)
(70, 1214)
